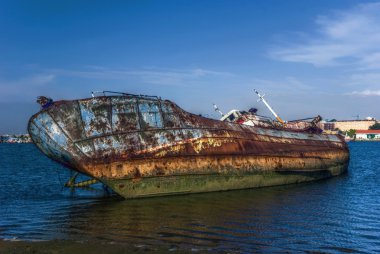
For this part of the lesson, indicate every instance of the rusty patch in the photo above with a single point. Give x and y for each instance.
(131, 137)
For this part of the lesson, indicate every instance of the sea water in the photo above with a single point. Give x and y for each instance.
(341, 214)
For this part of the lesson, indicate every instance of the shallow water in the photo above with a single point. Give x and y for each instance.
(341, 214)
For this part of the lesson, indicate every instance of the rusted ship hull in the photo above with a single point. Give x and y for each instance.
(144, 147)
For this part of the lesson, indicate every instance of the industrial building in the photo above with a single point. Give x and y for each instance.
(346, 125)
(367, 135)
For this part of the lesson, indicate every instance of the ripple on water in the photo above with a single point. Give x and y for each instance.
(336, 215)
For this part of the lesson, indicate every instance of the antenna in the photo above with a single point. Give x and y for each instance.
(261, 98)
(357, 117)
(217, 109)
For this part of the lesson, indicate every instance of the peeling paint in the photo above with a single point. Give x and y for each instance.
(134, 137)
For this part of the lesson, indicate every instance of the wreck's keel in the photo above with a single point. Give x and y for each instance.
(186, 184)
(172, 176)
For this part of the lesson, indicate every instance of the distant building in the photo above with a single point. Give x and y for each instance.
(329, 126)
(21, 138)
(367, 134)
(4, 138)
(346, 125)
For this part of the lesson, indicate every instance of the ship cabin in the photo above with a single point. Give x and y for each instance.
(231, 116)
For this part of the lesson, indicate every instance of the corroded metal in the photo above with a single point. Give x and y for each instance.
(72, 182)
(142, 146)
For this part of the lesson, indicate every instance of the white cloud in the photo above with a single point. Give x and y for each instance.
(26, 83)
(286, 85)
(25, 86)
(350, 37)
(369, 79)
(371, 62)
(38, 79)
(150, 76)
(366, 93)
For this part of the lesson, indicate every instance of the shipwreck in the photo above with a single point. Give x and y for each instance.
(143, 146)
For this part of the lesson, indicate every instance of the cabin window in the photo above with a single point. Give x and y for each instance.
(231, 118)
(150, 114)
(171, 118)
(124, 114)
(96, 116)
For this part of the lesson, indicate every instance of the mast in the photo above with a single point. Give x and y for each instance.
(261, 98)
(217, 109)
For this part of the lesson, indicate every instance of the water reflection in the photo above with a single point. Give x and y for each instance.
(246, 220)
(336, 215)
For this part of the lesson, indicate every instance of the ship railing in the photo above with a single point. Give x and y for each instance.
(264, 118)
(302, 120)
(93, 94)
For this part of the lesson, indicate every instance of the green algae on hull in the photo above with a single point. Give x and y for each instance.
(187, 184)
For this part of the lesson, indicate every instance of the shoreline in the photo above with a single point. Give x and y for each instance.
(369, 140)
(73, 247)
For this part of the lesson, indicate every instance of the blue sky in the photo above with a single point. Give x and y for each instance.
(308, 57)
